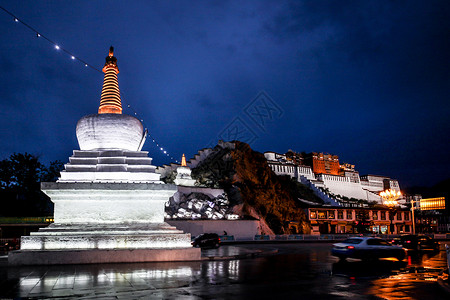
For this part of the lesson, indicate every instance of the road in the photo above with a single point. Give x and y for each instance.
(298, 271)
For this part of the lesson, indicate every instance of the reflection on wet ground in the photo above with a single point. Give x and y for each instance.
(417, 263)
(229, 251)
(413, 278)
(297, 271)
(97, 281)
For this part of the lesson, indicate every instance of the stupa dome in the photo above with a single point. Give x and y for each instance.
(110, 131)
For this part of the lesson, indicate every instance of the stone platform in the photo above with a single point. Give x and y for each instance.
(108, 203)
(108, 222)
(106, 236)
(96, 256)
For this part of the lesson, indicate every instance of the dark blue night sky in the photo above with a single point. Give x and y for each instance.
(366, 80)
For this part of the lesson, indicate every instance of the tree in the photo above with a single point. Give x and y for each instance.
(20, 178)
(53, 172)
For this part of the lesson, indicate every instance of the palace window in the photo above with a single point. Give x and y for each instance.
(331, 214)
(383, 215)
(321, 215)
(340, 214)
(407, 216)
(374, 215)
(313, 214)
(349, 215)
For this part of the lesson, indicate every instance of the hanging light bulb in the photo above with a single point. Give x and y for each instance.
(73, 57)
(38, 35)
(57, 47)
(16, 20)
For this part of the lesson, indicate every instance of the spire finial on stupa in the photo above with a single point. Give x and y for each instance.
(183, 161)
(110, 102)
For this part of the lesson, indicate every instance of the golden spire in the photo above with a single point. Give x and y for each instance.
(110, 100)
(183, 161)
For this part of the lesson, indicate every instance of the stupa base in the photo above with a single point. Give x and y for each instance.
(97, 256)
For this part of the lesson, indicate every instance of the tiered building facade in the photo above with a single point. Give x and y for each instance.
(336, 184)
(359, 220)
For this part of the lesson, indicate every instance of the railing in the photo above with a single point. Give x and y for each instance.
(26, 220)
(9, 240)
(331, 237)
(226, 237)
(319, 193)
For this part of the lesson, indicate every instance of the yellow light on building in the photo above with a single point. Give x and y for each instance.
(390, 197)
(432, 203)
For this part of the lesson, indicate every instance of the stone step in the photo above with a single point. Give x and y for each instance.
(106, 241)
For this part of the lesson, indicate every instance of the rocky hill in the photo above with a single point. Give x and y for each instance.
(253, 189)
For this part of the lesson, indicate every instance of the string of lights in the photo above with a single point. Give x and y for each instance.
(158, 145)
(56, 45)
(74, 57)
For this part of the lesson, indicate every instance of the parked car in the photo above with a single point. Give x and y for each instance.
(206, 240)
(417, 242)
(367, 248)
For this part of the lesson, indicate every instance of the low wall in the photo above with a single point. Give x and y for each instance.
(240, 229)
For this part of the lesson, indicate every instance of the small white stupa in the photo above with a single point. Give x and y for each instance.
(184, 177)
(109, 202)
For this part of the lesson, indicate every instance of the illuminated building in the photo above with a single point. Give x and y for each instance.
(322, 163)
(337, 185)
(109, 201)
(431, 216)
(432, 203)
(358, 220)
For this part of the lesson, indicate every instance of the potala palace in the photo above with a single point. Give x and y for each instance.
(336, 184)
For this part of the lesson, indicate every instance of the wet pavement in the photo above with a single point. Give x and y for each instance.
(237, 252)
(296, 271)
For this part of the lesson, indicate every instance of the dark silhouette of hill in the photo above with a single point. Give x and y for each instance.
(251, 185)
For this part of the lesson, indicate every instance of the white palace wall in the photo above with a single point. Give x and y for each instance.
(292, 170)
(340, 185)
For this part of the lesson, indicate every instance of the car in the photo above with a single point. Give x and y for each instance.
(367, 248)
(417, 242)
(206, 240)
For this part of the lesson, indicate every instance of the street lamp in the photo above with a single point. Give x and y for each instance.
(390, 197)
(413, 208)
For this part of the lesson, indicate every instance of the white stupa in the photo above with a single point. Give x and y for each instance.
(109, 202)
(184, 177)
